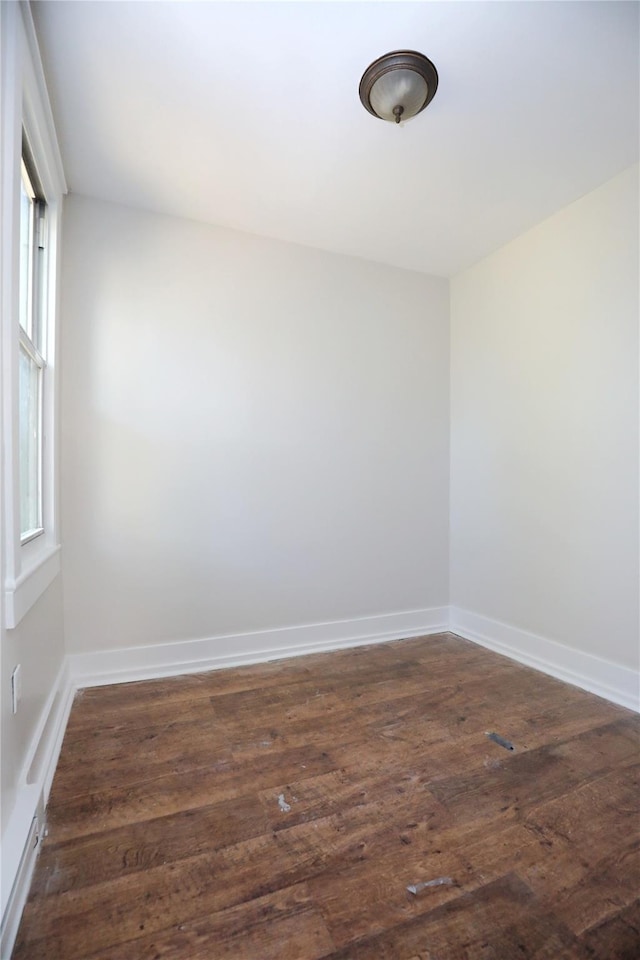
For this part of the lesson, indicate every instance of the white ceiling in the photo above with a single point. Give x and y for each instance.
(247, 115)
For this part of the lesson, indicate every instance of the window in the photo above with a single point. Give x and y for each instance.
(31, 362)
(32, 187)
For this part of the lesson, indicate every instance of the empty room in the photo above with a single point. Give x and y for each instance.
(320, 605)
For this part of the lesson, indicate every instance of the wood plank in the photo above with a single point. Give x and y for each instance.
(284, 925)
(523, 780)
(499, 921)
(617, 938)
(472, 853)
(107, 914)
(136, 847)
(221, 780)
(600, 817)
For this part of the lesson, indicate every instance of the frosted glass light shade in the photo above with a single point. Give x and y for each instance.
(398, 88)
(399, 85)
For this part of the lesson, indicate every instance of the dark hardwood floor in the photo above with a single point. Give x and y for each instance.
(280, 811)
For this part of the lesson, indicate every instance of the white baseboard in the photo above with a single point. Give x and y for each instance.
(195, 656)
(602, 677)
(20, 845)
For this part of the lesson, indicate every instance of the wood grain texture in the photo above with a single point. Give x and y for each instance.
(168, 839)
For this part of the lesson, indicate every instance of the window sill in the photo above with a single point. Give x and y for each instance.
(22, 593)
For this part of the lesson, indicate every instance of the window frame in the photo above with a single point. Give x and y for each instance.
(32, 336)
(32, 563)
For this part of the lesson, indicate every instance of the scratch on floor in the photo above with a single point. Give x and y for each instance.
(438, 882)
(501, 741)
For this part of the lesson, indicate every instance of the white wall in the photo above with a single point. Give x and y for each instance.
(255, 434)
(544, 444)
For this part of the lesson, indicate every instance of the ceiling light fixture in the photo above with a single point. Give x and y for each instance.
(399, 85)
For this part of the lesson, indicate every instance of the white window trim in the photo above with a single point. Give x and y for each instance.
(29, 568)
